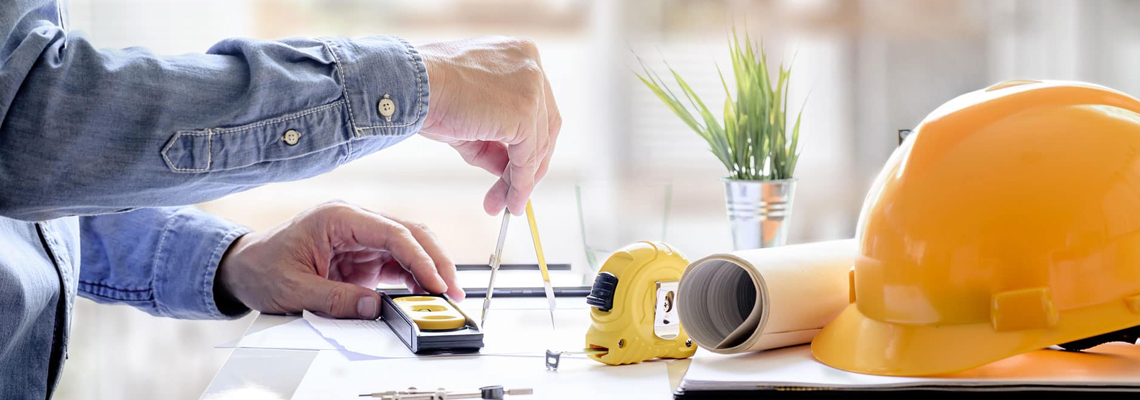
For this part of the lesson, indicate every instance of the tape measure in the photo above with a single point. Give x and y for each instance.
(633, 315)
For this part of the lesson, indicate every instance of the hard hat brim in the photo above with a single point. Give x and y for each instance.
(853, 342)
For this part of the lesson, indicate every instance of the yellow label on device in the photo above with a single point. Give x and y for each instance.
(431, 313)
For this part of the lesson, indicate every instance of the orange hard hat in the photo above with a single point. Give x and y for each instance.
(1009, 221)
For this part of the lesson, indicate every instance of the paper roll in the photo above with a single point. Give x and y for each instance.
(762, 299)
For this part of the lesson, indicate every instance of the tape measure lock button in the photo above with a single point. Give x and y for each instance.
(602, 293)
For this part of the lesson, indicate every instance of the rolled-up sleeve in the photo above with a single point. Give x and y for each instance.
(160, 260)
(88, 131)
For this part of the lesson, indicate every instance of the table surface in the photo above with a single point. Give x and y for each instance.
(276, 373)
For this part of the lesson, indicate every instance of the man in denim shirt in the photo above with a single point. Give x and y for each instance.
(100, 151)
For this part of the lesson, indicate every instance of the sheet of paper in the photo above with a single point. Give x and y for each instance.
(333, 375)
(1114, 365)
(367, 337)
(528, 331)
(514, 327)
(293, 335)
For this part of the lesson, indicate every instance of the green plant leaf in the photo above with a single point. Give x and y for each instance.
(753, 142)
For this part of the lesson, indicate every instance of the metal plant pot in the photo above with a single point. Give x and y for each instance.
(759, 211)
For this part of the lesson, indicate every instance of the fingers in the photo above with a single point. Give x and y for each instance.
(403, 277)
(443, 264)
(413, 287)
(366, 274)
(393, 272)
(499, 114)
(525, 158)
(529, 159)
(490, 156)
(522, 167)
(496, 198)
(353, 226)
(554, 128)
(339, 299)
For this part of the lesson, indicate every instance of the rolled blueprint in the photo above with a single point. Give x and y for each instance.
(762, 299)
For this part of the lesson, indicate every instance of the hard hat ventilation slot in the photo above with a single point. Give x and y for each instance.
(719, 304)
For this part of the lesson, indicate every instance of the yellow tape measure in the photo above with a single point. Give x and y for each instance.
(633, 317)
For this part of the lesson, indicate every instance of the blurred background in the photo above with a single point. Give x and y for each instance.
(865, 67)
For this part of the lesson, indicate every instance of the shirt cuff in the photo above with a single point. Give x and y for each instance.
(190, 250)
(385, 83)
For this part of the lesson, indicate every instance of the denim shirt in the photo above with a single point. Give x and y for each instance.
(101, 148)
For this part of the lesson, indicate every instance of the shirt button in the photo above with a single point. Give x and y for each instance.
(387, 107)
(291, 137)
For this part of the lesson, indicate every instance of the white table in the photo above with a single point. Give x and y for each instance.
(272, 371)
(251, 373)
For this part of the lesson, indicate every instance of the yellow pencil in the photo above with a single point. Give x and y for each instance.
(541, 260)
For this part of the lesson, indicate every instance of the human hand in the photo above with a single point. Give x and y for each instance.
(490, 100)
(329, 258)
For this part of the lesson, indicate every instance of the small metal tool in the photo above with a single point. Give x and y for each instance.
(496, 259)
(666, 323)
(554, 357)
(541, 262)
(495, 392)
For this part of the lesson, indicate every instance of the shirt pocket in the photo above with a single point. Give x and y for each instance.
(281, 138)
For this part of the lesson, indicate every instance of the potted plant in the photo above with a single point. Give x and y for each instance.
(753, 142)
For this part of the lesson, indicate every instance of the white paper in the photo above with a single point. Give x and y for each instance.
(292, 335)
(523, 328)
(1114, 364)
(368, 337)
(798, 289)
(333, 375)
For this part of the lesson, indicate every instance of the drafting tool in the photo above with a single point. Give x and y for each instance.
(636, 320)
(495, 392)
(496, 259)
(541, 261)
(430, 323)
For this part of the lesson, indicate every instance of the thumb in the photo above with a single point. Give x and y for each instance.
(339, 299)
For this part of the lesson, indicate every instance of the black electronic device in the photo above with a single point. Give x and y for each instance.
(428, 323)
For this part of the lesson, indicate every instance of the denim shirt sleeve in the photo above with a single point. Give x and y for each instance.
(89, 131)
(160, 260)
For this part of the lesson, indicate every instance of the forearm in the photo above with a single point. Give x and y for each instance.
(162, 261)
(94, 131)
